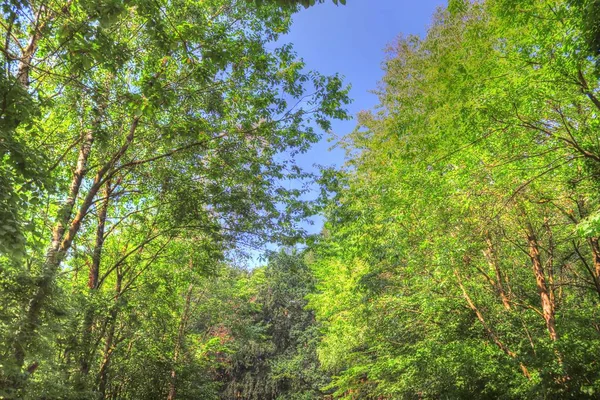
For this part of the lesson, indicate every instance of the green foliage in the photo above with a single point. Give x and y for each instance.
(20, 167)
(459, 259)
(140, 146)
(276, 357)
(140, 158)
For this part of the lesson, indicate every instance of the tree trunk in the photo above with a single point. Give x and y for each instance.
(492, 258)
(548, 306)
(596, 255)
(86, 350)
(62, 238)
(97, 254)
(28, 53)
(108, 345)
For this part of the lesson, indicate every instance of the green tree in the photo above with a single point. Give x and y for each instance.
(451, 263)
(161, 124)
(277, 359)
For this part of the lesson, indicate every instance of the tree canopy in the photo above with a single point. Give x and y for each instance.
(140, 147)
(460, 256)
(147, 150)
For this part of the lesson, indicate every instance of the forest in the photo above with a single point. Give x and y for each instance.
(148, 151)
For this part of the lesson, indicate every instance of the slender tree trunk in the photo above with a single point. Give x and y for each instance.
(110, 337)
(86, 348)
(179, 343)
(43, 17)
(550, 264)
(488, 330)
(107, 354)
(97, 254)
(492, 258)
(28, 53)
(548, 306)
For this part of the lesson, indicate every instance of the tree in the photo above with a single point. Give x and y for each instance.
(161, 124)
(450, 263)
(277, 358)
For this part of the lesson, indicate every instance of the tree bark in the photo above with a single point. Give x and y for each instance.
(88, 321)
(548, 306)
(492, 258)
(62, 238)
(97, 254)
(596, 255)
(28, 53)
(108, 344)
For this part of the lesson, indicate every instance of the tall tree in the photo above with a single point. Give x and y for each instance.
(451, 263)
(161, 122)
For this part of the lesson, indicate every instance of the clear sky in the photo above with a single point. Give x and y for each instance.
(351, 40)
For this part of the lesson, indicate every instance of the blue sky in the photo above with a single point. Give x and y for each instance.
(351, 40)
